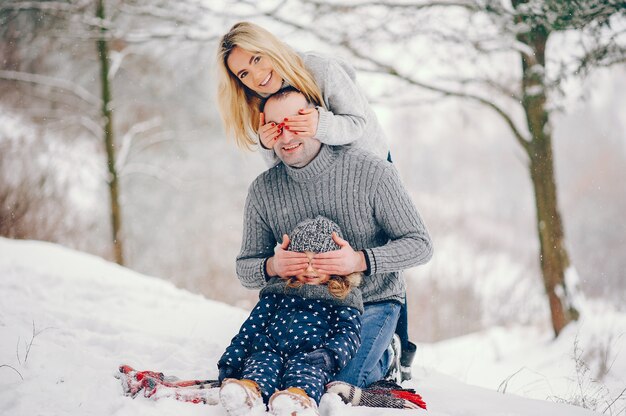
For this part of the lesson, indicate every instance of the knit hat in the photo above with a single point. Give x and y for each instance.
(314, 235)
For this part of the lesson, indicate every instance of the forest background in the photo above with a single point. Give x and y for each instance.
(182, 183)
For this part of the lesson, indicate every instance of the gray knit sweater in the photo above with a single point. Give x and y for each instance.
(348, 117)
(361, 193)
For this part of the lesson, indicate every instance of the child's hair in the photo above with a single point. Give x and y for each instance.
(239, 105)
(338, 286)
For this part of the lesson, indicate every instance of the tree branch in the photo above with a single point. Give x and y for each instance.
(159, 174)
(45, 6)
(470, 5)
(388, 69)
(127, 140)
(62, 84)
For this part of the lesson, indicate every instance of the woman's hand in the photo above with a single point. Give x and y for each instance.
(304, 124)
(268, 133)
(286, 263)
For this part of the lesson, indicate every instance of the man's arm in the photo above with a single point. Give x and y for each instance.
(260, 258)
(257, 244)
(409, 243)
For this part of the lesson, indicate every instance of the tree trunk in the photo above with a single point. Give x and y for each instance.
(109, 140)
(553, 254)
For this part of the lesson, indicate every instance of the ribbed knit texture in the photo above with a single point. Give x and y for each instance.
(348, 117)
(361, 193)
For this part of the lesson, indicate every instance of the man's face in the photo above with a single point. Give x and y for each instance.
(294, 151)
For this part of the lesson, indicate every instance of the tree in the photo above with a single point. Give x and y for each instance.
(109, 139)
(56, 13)
(486, 36)
(75, 20)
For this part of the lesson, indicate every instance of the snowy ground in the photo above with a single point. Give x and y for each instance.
(89, 316)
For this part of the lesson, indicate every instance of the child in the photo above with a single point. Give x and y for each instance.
(253, 64)
(298, 336)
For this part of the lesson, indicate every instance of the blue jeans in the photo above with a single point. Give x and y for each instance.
(371, 361)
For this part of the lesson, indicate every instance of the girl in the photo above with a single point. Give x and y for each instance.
(253, 64)
(299, 335)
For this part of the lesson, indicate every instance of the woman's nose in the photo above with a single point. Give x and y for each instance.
(257, 75)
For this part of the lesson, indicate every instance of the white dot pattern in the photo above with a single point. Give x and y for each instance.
(273, 342)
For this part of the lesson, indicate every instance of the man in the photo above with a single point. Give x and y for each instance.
(383, 231)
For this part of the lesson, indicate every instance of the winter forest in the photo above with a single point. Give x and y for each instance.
(507, 122)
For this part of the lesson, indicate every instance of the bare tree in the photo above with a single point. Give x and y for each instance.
(485, 37)
(109, 139)
(76, 20)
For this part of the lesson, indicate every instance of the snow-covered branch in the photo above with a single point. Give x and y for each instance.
(65, 116)
(127, 139)
(62, 84)
(159, 174)
(390, 70)
(471, 5)
(60, 6)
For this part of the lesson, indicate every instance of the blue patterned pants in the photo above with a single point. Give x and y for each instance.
(272, 372)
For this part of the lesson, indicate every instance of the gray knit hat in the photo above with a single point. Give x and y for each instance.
(314, 235)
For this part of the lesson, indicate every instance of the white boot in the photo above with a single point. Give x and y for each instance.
(241, 397)
(291, 402)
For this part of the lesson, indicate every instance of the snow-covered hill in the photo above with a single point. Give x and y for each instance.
(68, 319)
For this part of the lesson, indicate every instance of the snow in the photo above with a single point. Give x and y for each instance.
(89, 316)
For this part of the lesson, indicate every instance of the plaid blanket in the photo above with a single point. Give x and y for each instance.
(155, 385)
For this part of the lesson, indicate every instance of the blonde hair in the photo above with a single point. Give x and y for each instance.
(239, 106)
(338, 286)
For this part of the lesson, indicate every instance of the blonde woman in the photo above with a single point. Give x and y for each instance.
(253, 64)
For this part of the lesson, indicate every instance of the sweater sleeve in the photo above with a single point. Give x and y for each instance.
(409, 243)
(345, 339)
(344, 120)
(241, 345)
(257, 244)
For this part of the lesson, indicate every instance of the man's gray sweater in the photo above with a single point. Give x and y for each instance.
(361, 193)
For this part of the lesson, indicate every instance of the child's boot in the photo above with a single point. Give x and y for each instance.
(292, 401)
(241, 397)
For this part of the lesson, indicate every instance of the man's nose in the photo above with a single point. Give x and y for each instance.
(310, 268)
(287, 135)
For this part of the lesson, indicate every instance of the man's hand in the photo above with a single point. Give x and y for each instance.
(286, 263)
(268, 133)
(340, 262)
(304, 124)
